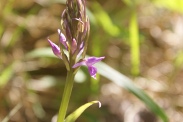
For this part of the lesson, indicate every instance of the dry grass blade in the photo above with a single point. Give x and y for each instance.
(12, 113)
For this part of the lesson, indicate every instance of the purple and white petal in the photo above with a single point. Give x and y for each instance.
(92, 60)
(82, 63)
(62, 39)
(55, 49)
(93, 71)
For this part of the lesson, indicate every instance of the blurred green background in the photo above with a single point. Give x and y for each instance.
(141, 39)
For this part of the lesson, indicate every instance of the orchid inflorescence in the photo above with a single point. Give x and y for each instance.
(73, 37)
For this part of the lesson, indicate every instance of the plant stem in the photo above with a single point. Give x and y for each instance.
(134, 42)
(66, 96)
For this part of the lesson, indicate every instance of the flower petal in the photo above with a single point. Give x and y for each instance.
(62, 38)
(92, 60)
(82, 63)
(55, 49)
(93, 71)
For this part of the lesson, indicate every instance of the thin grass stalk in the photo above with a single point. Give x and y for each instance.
(134, 42)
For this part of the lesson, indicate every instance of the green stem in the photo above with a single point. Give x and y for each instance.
(66, 96)
(134, 42)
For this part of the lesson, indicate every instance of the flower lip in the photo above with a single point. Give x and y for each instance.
(89, 62)
(93, 71)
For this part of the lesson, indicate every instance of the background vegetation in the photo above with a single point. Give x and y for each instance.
(141, 40)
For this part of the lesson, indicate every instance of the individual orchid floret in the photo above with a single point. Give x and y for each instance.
(62, 39)
(89, 62)
(55, 49)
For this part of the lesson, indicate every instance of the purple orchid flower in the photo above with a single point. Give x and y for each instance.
(55, 49)
(89, 62)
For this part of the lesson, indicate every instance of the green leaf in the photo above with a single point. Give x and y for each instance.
(41, 52)
(131, 3)
(126, 83)
(104, 20)
(134, 43)
(73, 116)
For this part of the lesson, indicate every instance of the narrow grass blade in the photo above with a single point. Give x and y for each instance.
(134, 42)
(126, 83)
(12, 112)
(6, 75)
(73, 116)
(104, 20)
(40, 53)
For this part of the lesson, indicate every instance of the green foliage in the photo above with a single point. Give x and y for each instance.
(134, 43)
(126, 83)
(179, 60)
(174, 5)
(6, 75)
(41, 52)
(73, 116)
(104, 20)
(94, 86)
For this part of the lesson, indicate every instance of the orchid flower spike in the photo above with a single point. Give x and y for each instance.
(73, 38)
(89, 62)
